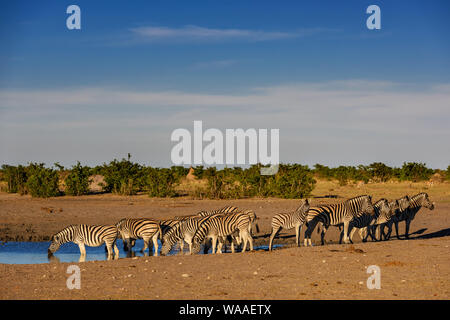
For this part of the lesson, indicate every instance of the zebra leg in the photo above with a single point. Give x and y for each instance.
(82, 252)
(297, 235)
(396, 229)
(407, 223)
(272, 236)
(310, 228)
(155, 244)
(146, 244)
(322, 235)
(116, 251)
(346, 228)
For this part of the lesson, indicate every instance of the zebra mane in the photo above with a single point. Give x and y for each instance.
(359, 198)
(380, 201)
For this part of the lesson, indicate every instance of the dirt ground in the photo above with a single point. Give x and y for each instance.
(418, 268)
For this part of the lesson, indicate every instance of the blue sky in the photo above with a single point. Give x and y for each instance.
(338, 92)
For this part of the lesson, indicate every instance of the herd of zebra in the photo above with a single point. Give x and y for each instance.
(214, 228)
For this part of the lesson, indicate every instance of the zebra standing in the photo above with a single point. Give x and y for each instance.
(290, 220)
(219, 226)
(376, 228)
(416, 203)
(365, 221)
(403, 204)
(141, 228)
(229, 210)
(337, 214)
(82, 235)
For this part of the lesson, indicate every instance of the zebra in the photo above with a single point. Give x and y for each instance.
(231, 210)
(402, 205)
(375, 230)
(184, 230)
(219, 226)
(337, 214)
(416, 203)
(82, 235)
(139, 228)
(365, 221)
(290, 220)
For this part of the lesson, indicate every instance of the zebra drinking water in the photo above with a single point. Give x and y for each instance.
(82, 235)
(141, 228)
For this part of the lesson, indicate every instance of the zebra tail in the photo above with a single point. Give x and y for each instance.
(160, 233)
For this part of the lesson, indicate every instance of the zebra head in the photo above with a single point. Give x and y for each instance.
(383, 207)
(393, 207)
(58, 239)
(367, 206)
(426, 202)
(303, 207)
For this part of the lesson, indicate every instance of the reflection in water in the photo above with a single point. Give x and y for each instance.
(36, 252)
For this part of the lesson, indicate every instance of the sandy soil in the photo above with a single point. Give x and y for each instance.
(410, 269)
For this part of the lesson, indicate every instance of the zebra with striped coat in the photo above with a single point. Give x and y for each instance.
(416, 203)
(337, 214)
(86, 235)
(183, 231)
(402, 205)
(365, 221)
(139, 228)
(288, 221)
(235, 237)
(217, 227)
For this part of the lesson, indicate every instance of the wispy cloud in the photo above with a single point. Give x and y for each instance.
(203, 34)
(350, 121)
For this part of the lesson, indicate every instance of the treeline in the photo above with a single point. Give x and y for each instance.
(379, 172)
(127, 178)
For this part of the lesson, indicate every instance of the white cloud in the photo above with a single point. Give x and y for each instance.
(196, 33)
(365, 119)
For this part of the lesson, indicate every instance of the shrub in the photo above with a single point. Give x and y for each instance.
(123, 177)
(160, 182)
(380, 172)
(413, 171)
(77, 182)
(16, 177)
(42, 182)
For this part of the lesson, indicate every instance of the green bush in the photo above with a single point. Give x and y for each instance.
(161, 182)
(447, 175)
(42, 182)
(77, 182)
(123, 177)
(16, 177)
(380, 172)
(413, 171)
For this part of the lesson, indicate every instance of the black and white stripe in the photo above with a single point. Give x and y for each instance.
(365, 221)
(337, 214)
(86, 235)
(217, 227)
(288, 221)
(140, 228)
(416, 203)
(183, 231)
